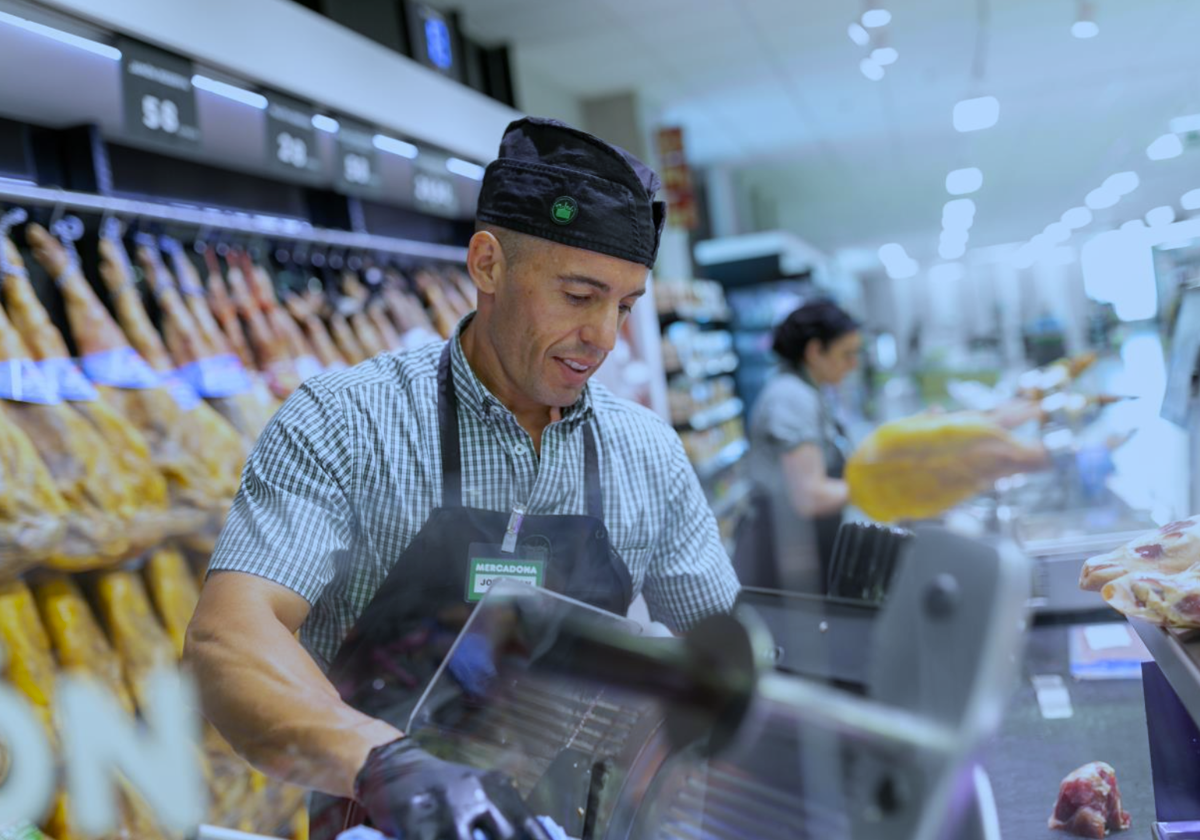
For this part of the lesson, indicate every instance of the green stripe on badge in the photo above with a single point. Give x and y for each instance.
(485, 571)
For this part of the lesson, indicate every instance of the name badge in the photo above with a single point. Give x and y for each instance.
(487, 564)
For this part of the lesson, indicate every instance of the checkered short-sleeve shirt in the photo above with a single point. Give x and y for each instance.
(349, 469)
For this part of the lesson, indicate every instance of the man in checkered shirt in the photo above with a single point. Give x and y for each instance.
(371, 492)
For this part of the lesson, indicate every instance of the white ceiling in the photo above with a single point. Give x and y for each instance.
(773, 87)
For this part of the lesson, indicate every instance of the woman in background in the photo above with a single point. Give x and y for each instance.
(798, 451)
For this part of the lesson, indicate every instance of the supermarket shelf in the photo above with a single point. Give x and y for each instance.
(713, 367)
(714, 416)
(731, 501)
(1177, 653)
(704, 319)
(723, 460)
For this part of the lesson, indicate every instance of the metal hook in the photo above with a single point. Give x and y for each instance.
(69, 230)
(110, 228)
(8, 221)
(60, 207)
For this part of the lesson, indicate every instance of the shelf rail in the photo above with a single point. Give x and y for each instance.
(237, 222)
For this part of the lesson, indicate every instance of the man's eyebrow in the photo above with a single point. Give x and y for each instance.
(597, 284)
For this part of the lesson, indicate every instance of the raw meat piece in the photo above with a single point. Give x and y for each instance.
(270, 349)
(100, 501)
(406, 310)
(154, 522)
(1171, 549)
(140, 641)
(173, 591)
(77, 638)
(29, 661)
(1089, 803)
(920, 466)
(225, 311)
(1168, 600)
(377, 312)
(304, 312)
(442, 311)
(345, 339)
(190, 346)
(193, 295)
(197, 451)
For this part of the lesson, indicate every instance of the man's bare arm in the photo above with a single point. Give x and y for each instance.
(266, 695)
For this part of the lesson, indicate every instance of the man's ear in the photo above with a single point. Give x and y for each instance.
(485, 262)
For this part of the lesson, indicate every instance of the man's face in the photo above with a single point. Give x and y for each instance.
(554, 316)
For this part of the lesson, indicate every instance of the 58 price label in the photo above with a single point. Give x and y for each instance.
(160, 114)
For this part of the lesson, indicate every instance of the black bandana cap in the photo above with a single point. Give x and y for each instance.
(558, 183)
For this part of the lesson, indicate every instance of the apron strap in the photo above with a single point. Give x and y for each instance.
(448, 424)
(452, 454)
(591, 475)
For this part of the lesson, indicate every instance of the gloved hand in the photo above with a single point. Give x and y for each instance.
(411, 795)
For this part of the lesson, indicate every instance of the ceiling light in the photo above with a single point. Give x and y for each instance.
(1085, 21)
(396, 147)
(324, 123)
(1122, 183)
(964, 181)
(1101, 199)
(237, 94)
(1077, 217)
(859, 35)
(950, 272)
(951, 250)
(875, 18)
(893, 252)
(976, 114)
(883, 56)
(1057, 233)
(1186, 125)
(465, 168)
(1160, 216)
(1133, 225)
(94, 47)
(1165, 147)
(871, 69)
(958, 214)
(904, 270)
(1190, 200)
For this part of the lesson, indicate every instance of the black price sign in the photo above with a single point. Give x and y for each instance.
(357, 164)
(160, 102)
(433, 188)
(291, 138)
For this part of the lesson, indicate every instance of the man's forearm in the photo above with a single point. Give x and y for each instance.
(273, 704)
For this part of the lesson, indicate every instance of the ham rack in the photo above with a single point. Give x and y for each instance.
(277, 227)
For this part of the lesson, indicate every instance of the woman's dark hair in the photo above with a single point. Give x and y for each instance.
(822, 320)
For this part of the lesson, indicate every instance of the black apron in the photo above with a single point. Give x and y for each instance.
(397, 644)
(757, 558)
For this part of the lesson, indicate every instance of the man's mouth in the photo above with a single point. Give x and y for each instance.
(576, 369)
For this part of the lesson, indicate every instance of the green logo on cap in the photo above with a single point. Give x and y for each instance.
(564, 210)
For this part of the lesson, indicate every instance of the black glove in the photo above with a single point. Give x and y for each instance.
(411, 795)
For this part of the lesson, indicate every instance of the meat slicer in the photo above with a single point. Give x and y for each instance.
(798, 717)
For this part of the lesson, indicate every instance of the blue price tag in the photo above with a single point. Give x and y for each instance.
(185, 395)
(120, 367)
(69, 380)
(218, 376)
(23, 381)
